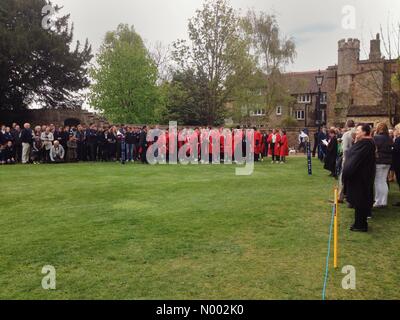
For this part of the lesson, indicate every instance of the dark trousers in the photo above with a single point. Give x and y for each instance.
(361, 217)
(302, 146)
(314, 152)
(81, 151)
(143, 154)
(397, 172)
(103, 152)
(119, 150)
(274, 157)
(45, 157)
(111, 151)
(92, 150)
(130, 152)
(18, 152)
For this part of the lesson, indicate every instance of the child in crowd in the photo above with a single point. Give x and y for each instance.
(9, 153)
(36, 153)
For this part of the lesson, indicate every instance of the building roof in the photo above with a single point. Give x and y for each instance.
(305, 82)
(365, 111)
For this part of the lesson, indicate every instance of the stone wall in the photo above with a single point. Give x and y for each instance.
(56, 117)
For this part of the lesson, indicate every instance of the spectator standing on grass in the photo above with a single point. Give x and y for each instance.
(80, 140)
(47, 139)
(103, 144)
(331, 153)
(302, 141)
(130, 145)
(26, 140)
(396, 157)
(347, 142)
(391, 171)
(16, 132)
(72, 154)
(359, 175)
(36, 152)
(58, 134)
(321, 146)
(384, 145)
(316, 142)
(91, 140)
(112, 144)
(57, 153)
(143, 144)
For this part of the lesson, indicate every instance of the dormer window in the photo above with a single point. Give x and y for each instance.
(304, 98)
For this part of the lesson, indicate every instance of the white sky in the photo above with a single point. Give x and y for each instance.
(316, 25)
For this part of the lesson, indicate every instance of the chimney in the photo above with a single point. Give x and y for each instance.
(375, 51)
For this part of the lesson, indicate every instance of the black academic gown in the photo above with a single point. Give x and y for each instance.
(331, 155)
(359, 174)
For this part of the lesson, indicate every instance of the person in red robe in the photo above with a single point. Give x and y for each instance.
(214, 138)
(221, 145)
(284, 150)
(238, 143)
(274, 141)
(257, 144)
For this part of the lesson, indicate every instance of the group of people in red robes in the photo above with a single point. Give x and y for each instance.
(275, 144)
(219, 145)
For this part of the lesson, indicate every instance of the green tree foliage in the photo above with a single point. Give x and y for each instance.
(39, 65)
(214, 63)
(125, 78)
(185, 98)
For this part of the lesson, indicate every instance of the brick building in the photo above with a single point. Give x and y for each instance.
(351, 89)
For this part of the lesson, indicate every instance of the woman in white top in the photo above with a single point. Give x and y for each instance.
(47, 138)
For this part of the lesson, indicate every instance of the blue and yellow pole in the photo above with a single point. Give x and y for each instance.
(336, 230)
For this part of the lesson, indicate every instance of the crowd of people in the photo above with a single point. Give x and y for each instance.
(51, 144)
(364, 160)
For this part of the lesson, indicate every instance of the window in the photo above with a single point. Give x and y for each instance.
(300, 114)
(258, 113)
(304, 98)
(324, 98)
(278, 110)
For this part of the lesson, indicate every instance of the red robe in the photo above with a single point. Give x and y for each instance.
(257, 142)
(277, 148)
(284, 146)
(237, 144)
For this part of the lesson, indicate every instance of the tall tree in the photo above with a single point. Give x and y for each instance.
(125, 78)
(272, 52)
(217, 55)
(161, 56)
(184, 98)
(39, 64)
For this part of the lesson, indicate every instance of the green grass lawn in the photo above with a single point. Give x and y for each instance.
(185, 232)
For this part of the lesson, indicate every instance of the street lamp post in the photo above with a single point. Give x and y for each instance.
(320, 80)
